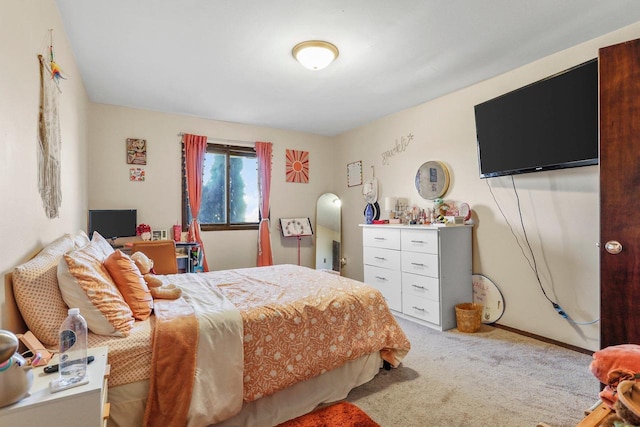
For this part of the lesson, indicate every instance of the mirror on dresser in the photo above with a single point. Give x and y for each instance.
(328, 232)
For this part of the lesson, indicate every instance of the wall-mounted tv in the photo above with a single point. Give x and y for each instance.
(550, 124)
(113, 223)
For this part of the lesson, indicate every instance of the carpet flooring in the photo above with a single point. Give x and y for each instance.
(492, 378)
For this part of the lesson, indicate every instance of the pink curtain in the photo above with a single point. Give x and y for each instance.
(263, 152)
(195, 148)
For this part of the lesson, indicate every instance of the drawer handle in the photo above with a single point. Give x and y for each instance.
(422, 242)
(381, 278)
(419, 287)
(417, 264)
(419, 309)
(379, 238)
(380, 258)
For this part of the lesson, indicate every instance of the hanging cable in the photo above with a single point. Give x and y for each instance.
(532, 261)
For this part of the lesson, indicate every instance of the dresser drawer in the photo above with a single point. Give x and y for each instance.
(425, 241)
(420, 263)
(421, 308)
(379, 257)
(421, 286)
(380, 237)
(387, 282)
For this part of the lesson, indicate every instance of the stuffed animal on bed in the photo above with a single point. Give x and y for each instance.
(157, 289)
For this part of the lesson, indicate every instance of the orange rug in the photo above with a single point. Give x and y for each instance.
(343, 414)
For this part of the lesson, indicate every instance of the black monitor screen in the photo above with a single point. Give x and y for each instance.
(113, 223)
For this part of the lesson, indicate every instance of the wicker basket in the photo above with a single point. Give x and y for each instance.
(469, 317)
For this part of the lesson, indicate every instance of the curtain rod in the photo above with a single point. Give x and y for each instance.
(233, 141)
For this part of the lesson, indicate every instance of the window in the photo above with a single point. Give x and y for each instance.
(229, 189)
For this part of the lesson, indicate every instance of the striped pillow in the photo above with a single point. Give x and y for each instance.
(85, 283)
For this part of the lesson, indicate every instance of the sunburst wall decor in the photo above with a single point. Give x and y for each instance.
(297, 166)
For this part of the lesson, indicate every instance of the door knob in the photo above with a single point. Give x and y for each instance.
(613, 247)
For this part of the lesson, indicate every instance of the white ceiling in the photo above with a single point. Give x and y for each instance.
(231, 60)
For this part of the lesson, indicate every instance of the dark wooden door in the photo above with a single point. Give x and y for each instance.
(619, 68)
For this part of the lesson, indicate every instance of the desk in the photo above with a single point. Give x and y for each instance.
(185, 256)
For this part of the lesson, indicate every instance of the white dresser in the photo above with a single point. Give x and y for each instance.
(422, 271)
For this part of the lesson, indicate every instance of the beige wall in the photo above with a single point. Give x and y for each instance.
(24, 227)
(559, 208)
(157, 199)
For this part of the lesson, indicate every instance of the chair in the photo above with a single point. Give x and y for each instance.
(162, 252)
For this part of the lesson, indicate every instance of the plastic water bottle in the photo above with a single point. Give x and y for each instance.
(73, 348)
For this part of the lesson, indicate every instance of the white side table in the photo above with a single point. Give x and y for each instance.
(81, 406)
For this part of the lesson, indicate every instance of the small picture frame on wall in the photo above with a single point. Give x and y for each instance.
(354, 173)
(136, 174)
(136, 151)
(297, 166)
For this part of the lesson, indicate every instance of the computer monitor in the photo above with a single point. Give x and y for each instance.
(113, 223)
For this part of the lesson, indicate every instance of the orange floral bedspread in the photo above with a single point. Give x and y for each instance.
(299, 323)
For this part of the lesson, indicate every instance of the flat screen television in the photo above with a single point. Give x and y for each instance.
(549, 124)
(112, 223)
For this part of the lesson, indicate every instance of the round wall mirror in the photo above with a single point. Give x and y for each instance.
(328, 232)
(432, 180)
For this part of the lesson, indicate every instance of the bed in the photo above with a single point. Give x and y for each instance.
(270, 343)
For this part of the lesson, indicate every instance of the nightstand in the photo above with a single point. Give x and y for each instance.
(81, 406)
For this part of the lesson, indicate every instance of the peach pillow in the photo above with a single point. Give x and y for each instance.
(130, 283)
(85, 283)
(35, 286)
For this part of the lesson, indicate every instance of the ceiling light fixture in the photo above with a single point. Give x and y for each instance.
(315, 54)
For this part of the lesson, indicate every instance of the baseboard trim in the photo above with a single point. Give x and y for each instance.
(544, 339)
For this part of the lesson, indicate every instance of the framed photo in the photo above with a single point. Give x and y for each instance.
(136, 174)
(297, 166)
(136, 151)
(159, 235)
(354, 173)
(295, 227)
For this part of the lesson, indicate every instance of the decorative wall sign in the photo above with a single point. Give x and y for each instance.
(354, 173)
(136, 174)
(295, 227)
(136, 151)
(399, 147)
(297, 166)
(486, 293)
(432, 180)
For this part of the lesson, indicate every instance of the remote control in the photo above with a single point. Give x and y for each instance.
(54, 368)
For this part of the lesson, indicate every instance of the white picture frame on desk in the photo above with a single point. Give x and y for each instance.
(159, 235)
